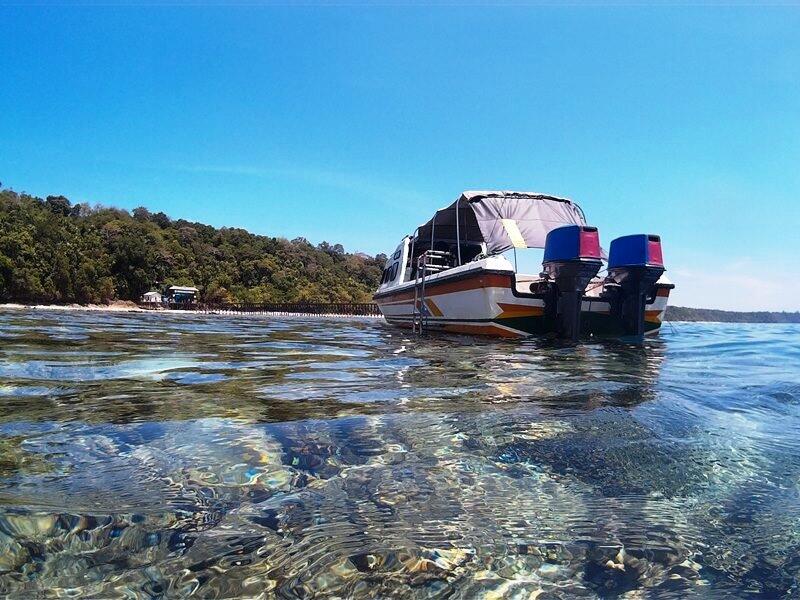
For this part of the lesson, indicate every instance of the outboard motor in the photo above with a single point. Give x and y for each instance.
(635, 263)
(571, 260)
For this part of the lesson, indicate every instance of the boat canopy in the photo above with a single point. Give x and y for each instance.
(501, 220)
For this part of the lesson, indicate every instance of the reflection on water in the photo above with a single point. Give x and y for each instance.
(159, 456)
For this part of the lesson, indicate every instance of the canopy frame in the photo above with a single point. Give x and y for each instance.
(483, 213)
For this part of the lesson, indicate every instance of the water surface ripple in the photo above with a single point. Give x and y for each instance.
(150, 456)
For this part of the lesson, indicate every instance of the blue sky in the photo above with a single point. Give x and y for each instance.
(352, 124)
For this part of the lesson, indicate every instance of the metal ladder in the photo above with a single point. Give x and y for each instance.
(417, 322)
(420, 312)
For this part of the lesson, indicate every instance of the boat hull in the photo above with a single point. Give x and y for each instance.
(486, 302)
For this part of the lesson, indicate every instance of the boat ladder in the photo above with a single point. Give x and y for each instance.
(429, 262)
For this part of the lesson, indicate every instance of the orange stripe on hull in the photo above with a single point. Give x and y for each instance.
(492, 330)
(519, 310)
(435, 310)
(652, 316)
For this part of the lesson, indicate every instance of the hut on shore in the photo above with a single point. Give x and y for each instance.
(176, 294)
(152, 298)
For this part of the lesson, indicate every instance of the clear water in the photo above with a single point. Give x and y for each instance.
(162, 456)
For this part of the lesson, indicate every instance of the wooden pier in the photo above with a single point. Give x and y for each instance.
(365, 309)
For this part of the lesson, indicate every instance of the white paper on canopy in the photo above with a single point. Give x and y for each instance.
(514, 234)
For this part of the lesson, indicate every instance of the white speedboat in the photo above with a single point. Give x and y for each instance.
(451, 274)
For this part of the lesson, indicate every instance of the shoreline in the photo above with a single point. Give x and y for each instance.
(130, 307)
(114, 307)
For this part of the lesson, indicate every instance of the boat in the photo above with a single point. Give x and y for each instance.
(453, 273)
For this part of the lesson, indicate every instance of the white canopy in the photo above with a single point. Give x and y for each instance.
(501, 219)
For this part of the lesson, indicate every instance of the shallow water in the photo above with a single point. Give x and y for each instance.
(161, 456)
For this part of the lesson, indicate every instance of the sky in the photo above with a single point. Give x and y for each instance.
(353, 123)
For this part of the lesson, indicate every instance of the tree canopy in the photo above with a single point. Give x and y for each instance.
(53, 251)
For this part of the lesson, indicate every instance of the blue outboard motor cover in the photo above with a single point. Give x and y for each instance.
(572, 242)
(638, 250)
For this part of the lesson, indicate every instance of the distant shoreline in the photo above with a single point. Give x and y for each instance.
(711, 315)
(674, 313)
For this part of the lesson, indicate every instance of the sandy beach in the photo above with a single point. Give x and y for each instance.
(116, 306)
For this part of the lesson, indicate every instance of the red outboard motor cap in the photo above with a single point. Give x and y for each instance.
(573, 242)
(640, 250)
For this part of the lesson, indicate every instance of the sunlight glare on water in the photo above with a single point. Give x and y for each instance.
(153, 456)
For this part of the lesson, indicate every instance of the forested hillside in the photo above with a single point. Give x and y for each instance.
(52, 251)
(681, 313)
